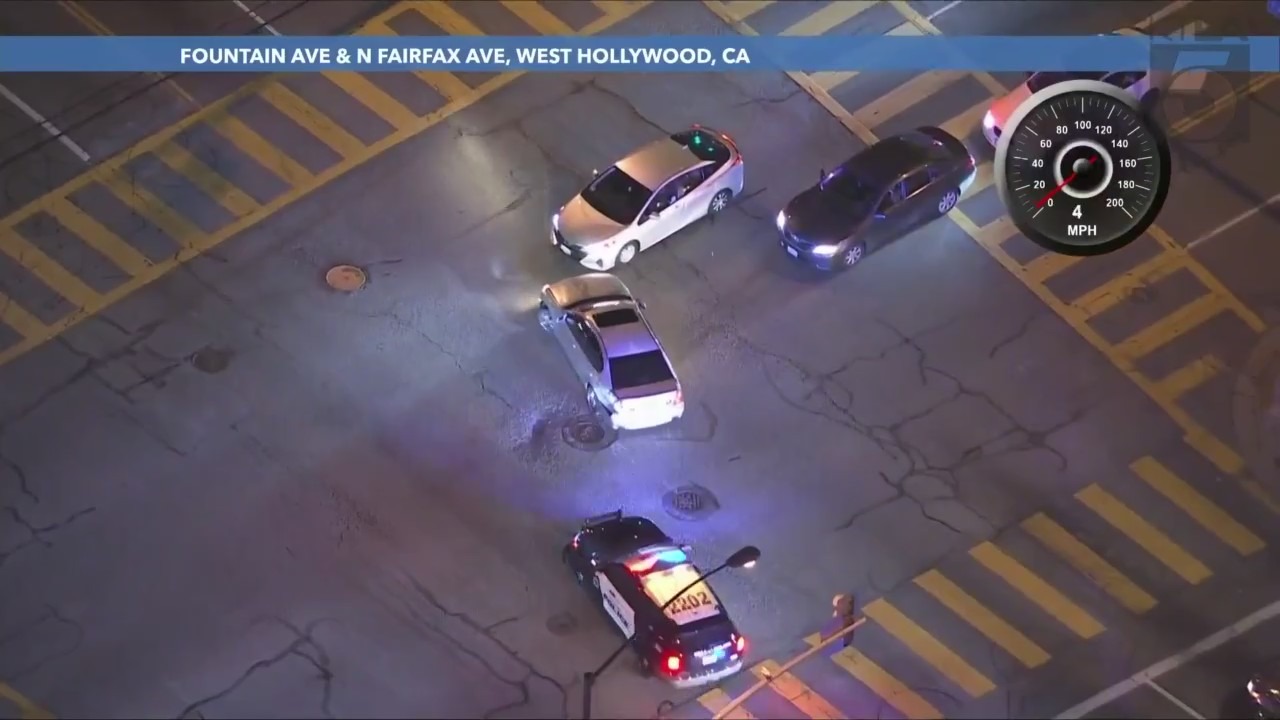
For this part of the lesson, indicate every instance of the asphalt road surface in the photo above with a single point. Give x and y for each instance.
(230, 491)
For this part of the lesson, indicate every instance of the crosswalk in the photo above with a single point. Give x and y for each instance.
(1021, 597)
(179, 193)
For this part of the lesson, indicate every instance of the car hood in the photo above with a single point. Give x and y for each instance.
(582, 225)
(1003, 109)
(820, 216)
(571, 291)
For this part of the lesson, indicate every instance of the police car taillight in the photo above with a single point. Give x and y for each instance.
(740, 644)
(673, 663)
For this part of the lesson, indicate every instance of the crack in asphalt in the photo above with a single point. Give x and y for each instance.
(50, 614)
(1017, 334)
(631, 106)
(36, 534)
(419, 620)
(304, 646)
(760, 101)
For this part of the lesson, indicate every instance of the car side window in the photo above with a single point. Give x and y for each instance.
(665, 196)
(915, 182)
(891, 198)
(687, 182)
(593, 351)
(1124, 78)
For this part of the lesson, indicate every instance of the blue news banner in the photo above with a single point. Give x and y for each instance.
(631, 54)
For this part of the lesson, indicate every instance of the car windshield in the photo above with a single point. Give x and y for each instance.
(844, 182)
(617, 196)
(1042, 80)
(644, 368)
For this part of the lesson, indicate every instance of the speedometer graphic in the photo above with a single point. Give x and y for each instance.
(1082, 170)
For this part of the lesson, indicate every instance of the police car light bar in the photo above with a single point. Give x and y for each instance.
(614, 516)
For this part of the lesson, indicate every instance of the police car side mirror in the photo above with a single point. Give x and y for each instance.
(686, 549)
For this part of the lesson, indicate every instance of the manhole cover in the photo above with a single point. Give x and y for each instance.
(690, 502)
(562, 624)
(588, 432)
(346, 278)
(210, 360)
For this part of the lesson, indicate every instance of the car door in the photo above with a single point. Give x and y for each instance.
(882, 227)
(573, 334)
(693, 195)
(593, 358)
(668, 212)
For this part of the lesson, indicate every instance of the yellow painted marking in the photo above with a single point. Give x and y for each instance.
(1088, 563)
(827, 18)
(1037, 590)
(904, 96)
(312, 120)
(743, 9)
(98, 237)
(967, 608)
(212, 184)
(1206, 278)
(992, 235)
(142, 202)
(373, 97)
(46, 268)
(914, 17)
(889, 688)
(1118, 289)
(982, 179)
(961, 125)
(1048, 265)
(445, 17)
(1170, 327)
(254, 146)
(28, 709)
(1203, 510)
(16, 317)
(1190, 376)
(797, 692)
(829, 80)
(1146, 535)
(448, 85)
(538, 17)
(610, 6)
(715, 699)
(929, 648)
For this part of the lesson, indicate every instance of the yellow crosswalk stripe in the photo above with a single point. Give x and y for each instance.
(1037, 590)
(929, 648)
(1048, 265)
(312, 120)
(538, 17)
(967, 608)
(208, 180)
(796, 692)
(963, 124)
(16, 317)
(98, 237)
(983, 179)
(1088, 563)
(1200, 508)
(144, 203)
(890, 689)
(1118, 289)
(1146, 535)
(827, 18)
(1170, 327)
(743, 9)
(378, 101)
(445, 17)
(256, 147)
(904, 96)
(448, 85)
(48, 270)
(1189, 376)
(716, 699)
(28, 709)
(830, 79)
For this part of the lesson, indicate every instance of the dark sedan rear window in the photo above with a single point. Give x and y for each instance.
(703, 145)
(644, 368)
(617, 196)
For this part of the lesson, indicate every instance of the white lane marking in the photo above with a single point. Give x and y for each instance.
(44, 123)
(943, 9)
(1173, 662)
(1170, 697)
(1233, 222)
(256, 17)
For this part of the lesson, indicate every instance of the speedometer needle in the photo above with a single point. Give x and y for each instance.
(1066, 182)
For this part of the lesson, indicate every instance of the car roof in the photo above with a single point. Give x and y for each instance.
(882, 163)
(625, 536)
(658, 162)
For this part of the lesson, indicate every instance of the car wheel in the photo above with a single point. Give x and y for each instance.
(948, 201)
(719, 202)
(852, 255)
(628, 253)
(544, 316)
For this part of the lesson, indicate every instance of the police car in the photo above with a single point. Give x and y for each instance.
(632, 569)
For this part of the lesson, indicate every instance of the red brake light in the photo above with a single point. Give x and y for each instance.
(673, 664)
(740, 644)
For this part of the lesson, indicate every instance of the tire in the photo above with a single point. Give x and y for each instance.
(627, 253)
(719, 202)
(948, 202)
(852, 256)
